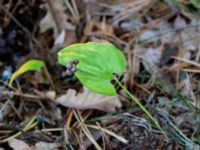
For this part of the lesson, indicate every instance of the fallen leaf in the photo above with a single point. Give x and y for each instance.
(188, 90)
(66, 37)
(61, 38)
(19, 145)
(168, 51)
(46, 146)
(148, 35)
(150, 59)
(55, 18)
(50, 95)
(190, 39)
(179, 22)
(89, 100)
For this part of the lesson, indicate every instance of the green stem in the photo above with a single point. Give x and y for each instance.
(137, 101)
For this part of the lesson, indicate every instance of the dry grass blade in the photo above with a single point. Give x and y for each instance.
(130, 8)
(191, 70)
(187, 61)
(73, 9)
(32, 123)
(85, 129)
(120, 138)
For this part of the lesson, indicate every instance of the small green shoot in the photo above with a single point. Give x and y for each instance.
(97, 64)
(30, 65)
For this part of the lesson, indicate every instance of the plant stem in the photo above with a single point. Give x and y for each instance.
(137, 101)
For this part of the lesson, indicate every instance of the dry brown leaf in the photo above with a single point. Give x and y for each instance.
(49, 94)
(179, 22)
(55, 18)
(190, 40)
(188, 90)
(19, 145)
(150, 59)
(60, 38)
(89, 100)
(46, 146)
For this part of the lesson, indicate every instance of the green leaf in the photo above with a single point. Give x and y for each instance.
(30, 65)
(97, 63)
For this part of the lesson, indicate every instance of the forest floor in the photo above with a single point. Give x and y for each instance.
(47, 110)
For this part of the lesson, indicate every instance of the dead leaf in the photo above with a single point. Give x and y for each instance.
(61, 38)
(46, 146)
(150, 59)
(89, 100)
(168, 51)
(55, 18)
(147, 35)
(179, 22)
(50, 95)
(188, 90)
(190, 39)
(19, 145)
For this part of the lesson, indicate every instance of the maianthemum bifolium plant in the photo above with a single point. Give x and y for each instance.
(95, 64)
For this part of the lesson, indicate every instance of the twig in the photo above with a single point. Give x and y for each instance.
(23, 95)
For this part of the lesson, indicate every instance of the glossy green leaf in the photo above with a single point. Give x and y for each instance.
(30, 65)
(97, 63)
